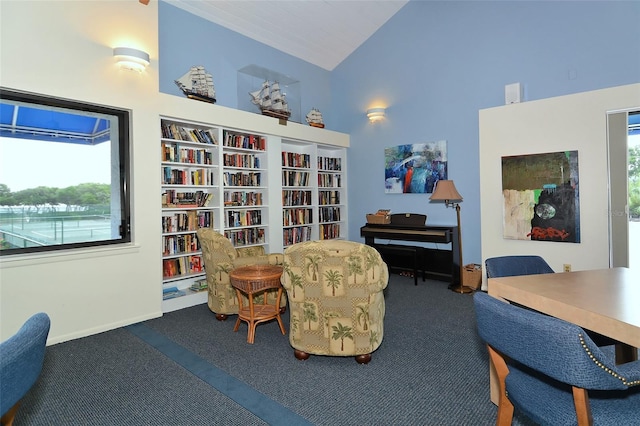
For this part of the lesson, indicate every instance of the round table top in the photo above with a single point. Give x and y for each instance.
(255, 278)
(251, 272)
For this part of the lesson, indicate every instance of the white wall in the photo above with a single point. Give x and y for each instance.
(573, 122)
(65, 49)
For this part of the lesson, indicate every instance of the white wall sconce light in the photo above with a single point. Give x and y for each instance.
(376, 114)
(131, 59)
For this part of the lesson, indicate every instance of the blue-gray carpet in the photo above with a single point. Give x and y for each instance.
(187, 368)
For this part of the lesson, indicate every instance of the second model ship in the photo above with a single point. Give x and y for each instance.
(271, 101)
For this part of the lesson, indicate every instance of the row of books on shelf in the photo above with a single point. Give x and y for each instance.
(245, 141)
(172, 293)
(235, 218)
(241, 179)
(173, 176)
(329, 214)
(328, 197)
(246, 237)
(293, 159)
(295, 178)
(292, 217)
(330, 231)
(242, 198)
(296, 235)
(182, 266)
(175, 131)
(329, 163)
(296, 198)
(188, 221)
(174, 153)
(178, 244)
(176, 199)
(327, 180)
(249, 161)
(199, 285)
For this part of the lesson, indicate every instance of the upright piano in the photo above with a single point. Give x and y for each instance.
(441, 262)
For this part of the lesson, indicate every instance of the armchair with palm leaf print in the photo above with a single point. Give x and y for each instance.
(336, 301)
(220, 258)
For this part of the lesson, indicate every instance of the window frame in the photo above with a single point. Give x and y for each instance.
(124, 182)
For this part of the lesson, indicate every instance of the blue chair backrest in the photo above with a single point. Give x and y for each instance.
(509, 266)
(21, 359)
(554, 347)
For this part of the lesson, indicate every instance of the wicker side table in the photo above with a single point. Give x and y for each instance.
(254, 280)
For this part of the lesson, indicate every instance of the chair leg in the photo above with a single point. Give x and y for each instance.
(583, 408)
(505, 407)
(7, 418)
(625, 353)
(363, 359)
(301, 355)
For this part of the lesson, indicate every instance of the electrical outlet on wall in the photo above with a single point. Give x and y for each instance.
(566, 267)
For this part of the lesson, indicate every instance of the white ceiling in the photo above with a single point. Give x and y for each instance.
(322, 32)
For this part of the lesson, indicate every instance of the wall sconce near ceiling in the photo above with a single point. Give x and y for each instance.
(375, 114)
(131, 59)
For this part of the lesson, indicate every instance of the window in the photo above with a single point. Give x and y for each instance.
(64, 174)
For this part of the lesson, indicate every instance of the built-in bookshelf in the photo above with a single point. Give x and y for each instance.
(245, 196)
(331, 193)
(298, 189)
(189, 183)
(255, 188)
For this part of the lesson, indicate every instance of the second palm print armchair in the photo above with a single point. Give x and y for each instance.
(220, 258)
(336, 301)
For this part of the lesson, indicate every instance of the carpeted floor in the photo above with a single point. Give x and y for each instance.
(431, 369)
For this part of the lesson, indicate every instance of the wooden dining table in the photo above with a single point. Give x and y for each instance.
(602, 300)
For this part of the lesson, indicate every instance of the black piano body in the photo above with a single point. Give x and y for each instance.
(440, 263)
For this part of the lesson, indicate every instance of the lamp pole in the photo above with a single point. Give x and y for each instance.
(446, 191)
(460, 288)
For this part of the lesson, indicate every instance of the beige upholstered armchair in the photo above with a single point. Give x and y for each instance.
(220, 258)
(336, 303)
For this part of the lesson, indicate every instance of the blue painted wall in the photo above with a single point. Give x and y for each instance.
(433, 65)
(186, 40)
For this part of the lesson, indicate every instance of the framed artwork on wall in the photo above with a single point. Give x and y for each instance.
(541, 197)
(414, 168)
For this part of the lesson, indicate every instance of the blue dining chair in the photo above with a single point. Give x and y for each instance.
(21, 359)
(551, 371)
(509, 266)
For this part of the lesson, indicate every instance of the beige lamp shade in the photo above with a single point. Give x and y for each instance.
(445, 191)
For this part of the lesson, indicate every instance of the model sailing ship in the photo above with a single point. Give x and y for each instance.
(271, 100)
(314, 118)
(197, 84)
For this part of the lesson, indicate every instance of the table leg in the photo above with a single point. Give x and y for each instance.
(625, 353)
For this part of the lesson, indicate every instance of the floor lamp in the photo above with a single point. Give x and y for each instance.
(446, 191)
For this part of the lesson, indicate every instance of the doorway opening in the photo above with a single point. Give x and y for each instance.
(633, 187)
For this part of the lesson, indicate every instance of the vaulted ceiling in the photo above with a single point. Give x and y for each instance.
(322, 32)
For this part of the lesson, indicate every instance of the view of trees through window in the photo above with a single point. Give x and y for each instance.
(634, 176)
(57, 188)
(633, 189)
(54, 215)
